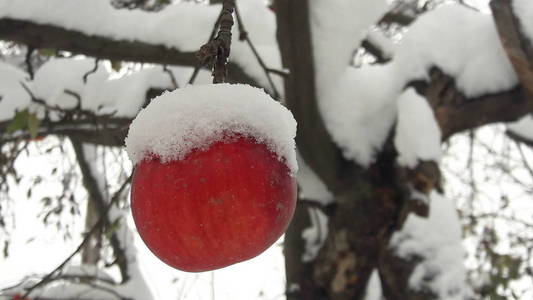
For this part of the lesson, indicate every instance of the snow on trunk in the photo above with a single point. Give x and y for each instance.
(337, 28)
(360, 110)
(436, 240)
(358, 105)
(418, 137)
(311, 187)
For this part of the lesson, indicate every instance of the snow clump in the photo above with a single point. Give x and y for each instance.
(195, 117)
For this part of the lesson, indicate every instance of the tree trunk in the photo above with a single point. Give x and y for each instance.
(369, 203)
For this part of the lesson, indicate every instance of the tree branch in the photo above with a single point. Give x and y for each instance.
(455, 112)
(50, 36)
(101, 222)
(517, 46)
(95, 195)
(313, 139)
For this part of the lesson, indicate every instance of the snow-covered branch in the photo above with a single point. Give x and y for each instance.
(170, 36)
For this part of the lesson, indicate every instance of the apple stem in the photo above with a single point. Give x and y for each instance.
(217, 50)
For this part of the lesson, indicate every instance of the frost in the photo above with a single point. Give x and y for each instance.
(315, 235)
(418, 135)
(442, 268)
(196, 116)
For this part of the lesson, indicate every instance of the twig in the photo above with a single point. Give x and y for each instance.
(524, 159)
(75, 95)
(211, 36)
(217, 50)
(101, 221)
(27, 60)
(91, 71)
(243, 36)
(171, 75)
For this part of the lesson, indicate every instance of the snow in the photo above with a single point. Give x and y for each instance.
(463, 43)
(58, 75)
(373, 287)
(315, 235)
(311, 187)
(360, 111)
(13, 96)
(442, 268)
(122, 97)
(103, 93)
(136, 286)
(385, 44)
(184, 26)
(194, 117)
(523, 9)
(418, 135)
(336, 33)
(522, 128)
(358, 104)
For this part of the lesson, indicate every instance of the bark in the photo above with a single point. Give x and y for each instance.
(518, 47)
(49, 36)
(344, 265)
(456, 113)
(369, 204)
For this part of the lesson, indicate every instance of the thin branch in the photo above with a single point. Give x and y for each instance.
(524, 159)
(243, 35)
(171, 75)
(27, 60)
(91, 71)
(54, 37)
(101, 221)
(95, 195)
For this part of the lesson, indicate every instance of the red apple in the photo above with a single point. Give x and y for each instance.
(215, 207)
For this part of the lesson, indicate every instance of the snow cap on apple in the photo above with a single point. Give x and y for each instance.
(214, 182)
(194, 117)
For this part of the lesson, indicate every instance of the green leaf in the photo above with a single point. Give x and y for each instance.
(113, 227)
(6, 249)
(116, 65)
(20, 121)
(47, 52)
(33, 125)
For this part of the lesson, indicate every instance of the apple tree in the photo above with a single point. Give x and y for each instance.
(389, 97)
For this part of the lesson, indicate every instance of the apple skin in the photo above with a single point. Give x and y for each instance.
(215, 207)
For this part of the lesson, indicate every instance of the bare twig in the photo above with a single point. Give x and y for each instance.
(243, 36)
(171, 75)
(101, 221)
(91, 71)
(27, 60)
